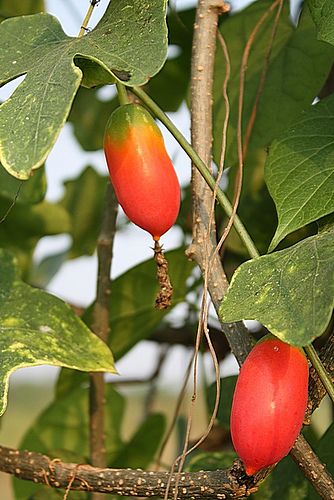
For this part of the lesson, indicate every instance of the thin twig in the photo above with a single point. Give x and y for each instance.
(101, 328)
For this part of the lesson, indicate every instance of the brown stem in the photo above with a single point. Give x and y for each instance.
(201, 132)
(313, 468)
(32, 466)
(100, 327)
(164, 297)
(201, 116)
(316, 389)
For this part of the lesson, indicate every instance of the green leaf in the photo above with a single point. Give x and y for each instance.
(89, 116)
(300, 170)
(323, 15)
(84, 200)
(37, 328)
(139, 451)
(285, 481)
(130, 43)
(30, 191)
(133, 316)
(42, 273)
(296, 57)
(25, 224)
(10, 8)
(291, 291)
(62, 431)
(170, 86)
(227, 385)
(213, 460)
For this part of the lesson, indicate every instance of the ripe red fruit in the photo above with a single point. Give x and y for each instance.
(269, 403)
(140, 169)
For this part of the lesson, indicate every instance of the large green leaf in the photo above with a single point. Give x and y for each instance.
(323, 15)
(300, 170)
(37, 328)
(84, 200)
(130, 42)
(62, 431)
(291, 291)
(168, 88)
(133, 316)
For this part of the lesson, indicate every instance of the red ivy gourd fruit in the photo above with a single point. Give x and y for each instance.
(269, 403)
(144, 180)
(140, 169)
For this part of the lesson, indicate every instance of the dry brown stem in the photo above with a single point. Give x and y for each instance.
(165, 294)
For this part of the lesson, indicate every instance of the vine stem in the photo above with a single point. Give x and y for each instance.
(122, 94)
(201, 167)
(320, 369)
(85, 22)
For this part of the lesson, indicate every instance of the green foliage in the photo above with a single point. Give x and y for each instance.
(210, 460)
(296, 57)
(300, 170)
(170, 86)
(36, 46)
(139, 451)
(29, 191)
(84, 199)
(70, 440)
(287, 291)
(132, 313)
(287, 191)
(89, 116)
(323, 15)
(227, 385)
(286, 481)
(52, 335)
(9, 8)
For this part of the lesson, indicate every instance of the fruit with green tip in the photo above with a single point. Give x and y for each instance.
(140, 169)
(269, 403)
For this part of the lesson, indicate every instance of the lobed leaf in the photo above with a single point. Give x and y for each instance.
(129, 43)
(37, 328)
(300, 170)
(291, 292)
